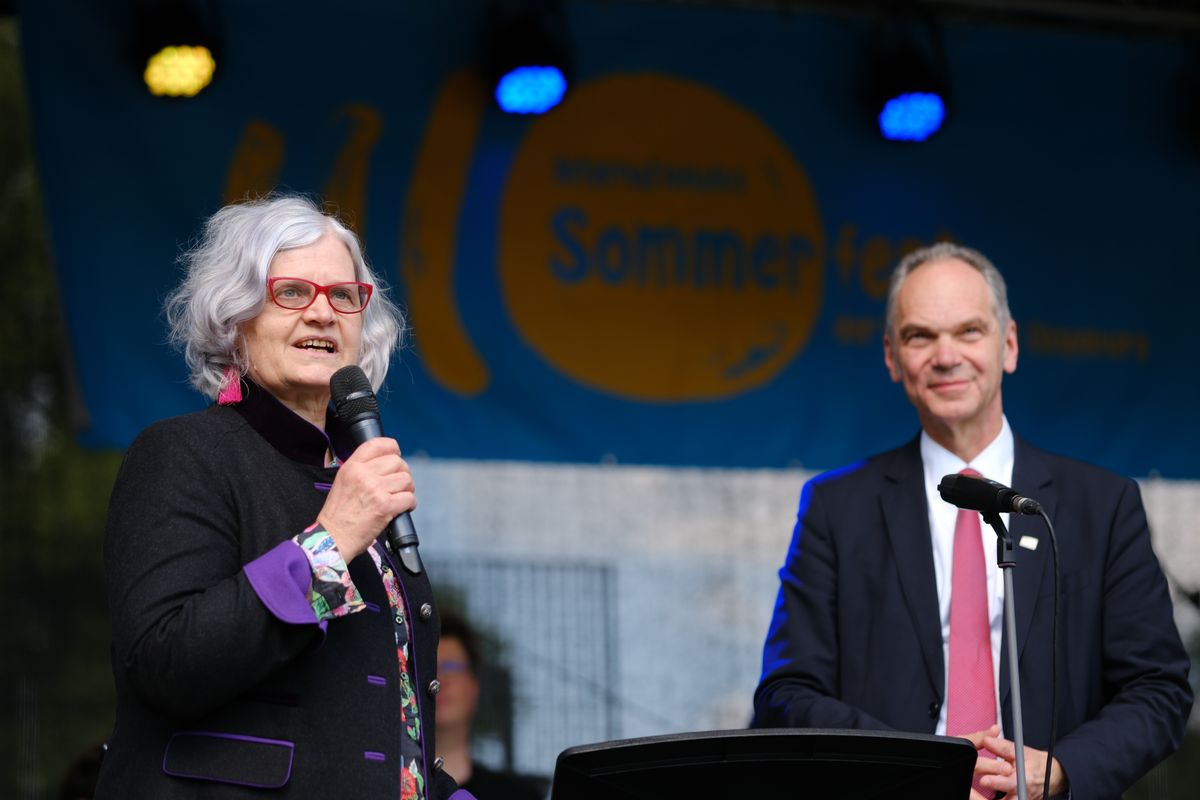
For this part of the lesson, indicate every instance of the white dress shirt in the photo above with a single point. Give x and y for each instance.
(994, 463)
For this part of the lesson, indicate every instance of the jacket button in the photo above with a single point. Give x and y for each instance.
(435, 686)
(438, 763)
(935, 708)
(426, 611)
(399, 618)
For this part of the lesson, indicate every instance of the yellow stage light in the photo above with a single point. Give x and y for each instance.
(179, 70)
(176, 44)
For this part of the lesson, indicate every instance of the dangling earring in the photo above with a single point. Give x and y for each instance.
(231, 392)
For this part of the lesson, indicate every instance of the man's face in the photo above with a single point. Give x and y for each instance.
(946, 346)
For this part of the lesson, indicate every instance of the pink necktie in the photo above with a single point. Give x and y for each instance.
(971, 698)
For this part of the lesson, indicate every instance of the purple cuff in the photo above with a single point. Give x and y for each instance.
(282, 579)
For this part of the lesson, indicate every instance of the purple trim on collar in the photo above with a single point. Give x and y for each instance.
(288, 432)
(371, 755)
(462, 794)
(282, 579)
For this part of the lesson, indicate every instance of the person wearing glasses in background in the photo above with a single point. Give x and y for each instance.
(258, 624)
(459, 670)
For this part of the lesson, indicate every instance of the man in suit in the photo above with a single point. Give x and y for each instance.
(864, 633)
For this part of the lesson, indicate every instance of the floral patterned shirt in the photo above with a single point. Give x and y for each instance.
(334, 595)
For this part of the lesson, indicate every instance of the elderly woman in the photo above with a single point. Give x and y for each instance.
(264, 642)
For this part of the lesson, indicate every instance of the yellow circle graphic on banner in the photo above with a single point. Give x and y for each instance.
(658, 242)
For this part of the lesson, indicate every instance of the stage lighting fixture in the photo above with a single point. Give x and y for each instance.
(176, 46)
(528, 63)
(912, 116)
(910, 91)
(531, 89)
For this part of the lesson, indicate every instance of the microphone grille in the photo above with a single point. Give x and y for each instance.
(352, 394)
(946, 487)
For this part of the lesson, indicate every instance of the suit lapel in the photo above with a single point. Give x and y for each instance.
(1032, 479)
(907, 520)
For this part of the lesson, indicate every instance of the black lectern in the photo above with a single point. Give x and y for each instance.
(777, 763)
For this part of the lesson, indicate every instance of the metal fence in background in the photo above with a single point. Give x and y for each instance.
(548, 635)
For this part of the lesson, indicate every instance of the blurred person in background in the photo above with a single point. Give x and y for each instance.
(457, 703)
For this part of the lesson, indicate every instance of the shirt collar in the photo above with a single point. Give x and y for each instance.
(995, 462)
(288, 432)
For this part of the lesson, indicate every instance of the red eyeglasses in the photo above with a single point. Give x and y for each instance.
(296, 294)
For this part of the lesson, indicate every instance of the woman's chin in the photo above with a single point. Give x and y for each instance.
(318, 374)
(312, 379)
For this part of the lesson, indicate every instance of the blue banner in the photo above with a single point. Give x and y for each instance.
(685, 262)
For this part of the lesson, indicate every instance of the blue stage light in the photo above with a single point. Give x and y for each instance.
(527, 56)
(912, 117)
(530, 90)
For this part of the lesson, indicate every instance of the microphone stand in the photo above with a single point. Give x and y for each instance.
(1006, 560)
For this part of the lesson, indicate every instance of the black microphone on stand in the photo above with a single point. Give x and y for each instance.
(993, 499)
(987, 497)
(354, 403)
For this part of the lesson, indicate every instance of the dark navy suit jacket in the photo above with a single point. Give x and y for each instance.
(856, 641)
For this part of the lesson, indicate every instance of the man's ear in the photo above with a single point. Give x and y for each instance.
(889, 359)
(1010, 348)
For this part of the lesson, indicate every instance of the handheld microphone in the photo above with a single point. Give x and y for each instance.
(987, 497)
(354, 403)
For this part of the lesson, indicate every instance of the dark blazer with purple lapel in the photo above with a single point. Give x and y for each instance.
(227, 686)
(856, 642)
